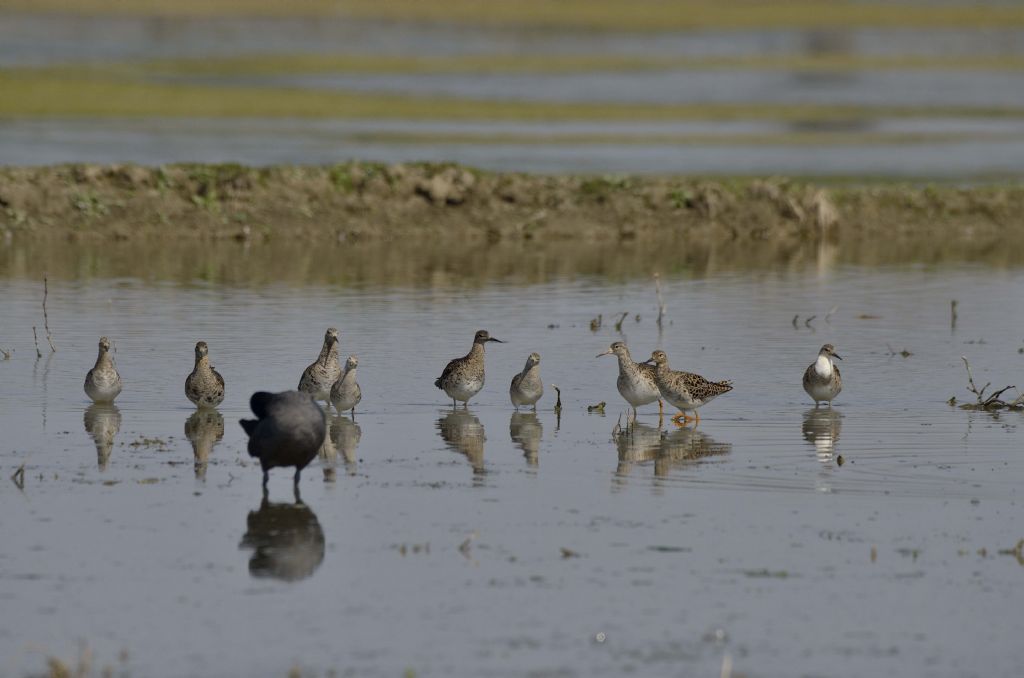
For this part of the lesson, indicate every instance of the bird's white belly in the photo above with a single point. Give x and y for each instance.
(636, 394)
(822, 391)
(465, 389)
(102, 388)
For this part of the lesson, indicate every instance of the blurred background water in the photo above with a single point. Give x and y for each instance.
(912, 89)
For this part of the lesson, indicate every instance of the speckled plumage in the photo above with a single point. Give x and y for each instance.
(102, 382)
(527, 387)
(289, 430)
(345, 393)
(685, 390)
(822, 380)
(318, 378)
(636, 382)
(463, 377)
(204, 386)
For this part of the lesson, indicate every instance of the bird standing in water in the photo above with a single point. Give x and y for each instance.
(102, 382)
(527, 387)
(204, 386)
(463, 377)
(318, 378)
(346, 394)
(636, 382)
(685, 390)
(288, 431)
(822, 380)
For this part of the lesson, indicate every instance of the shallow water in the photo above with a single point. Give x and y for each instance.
(432, 540)
(976, 149)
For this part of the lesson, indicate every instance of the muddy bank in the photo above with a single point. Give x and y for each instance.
(410, 204)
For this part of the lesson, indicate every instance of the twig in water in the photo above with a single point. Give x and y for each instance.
(6, 354)
(807, 323)
(558, 398)
(992, 401)
(970, 382)
(661, 301)
(904, 352)
(35, 337)
(595, 324)
(19, 477)
(831, 312)
(795, 319)
(952, 314)
(46, 319)
(618, 325)
(464, 546)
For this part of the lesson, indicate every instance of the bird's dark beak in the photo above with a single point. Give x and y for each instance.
(608, 352)
(836, 355)
(497, 340)
(649, 361)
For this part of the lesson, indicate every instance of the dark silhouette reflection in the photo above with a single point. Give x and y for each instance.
(464, 433)
(685, 447)
(821, 429)
(342, 439)
(526, 432)
(204, 429)
(102, 422)
(286, 539)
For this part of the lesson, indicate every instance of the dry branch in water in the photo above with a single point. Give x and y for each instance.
(46, 319)
(35, 338)
(992, 401)
(661, 301)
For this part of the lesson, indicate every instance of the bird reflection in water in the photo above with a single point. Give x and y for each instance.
(102, 422)
(463, 432)
(639, 443)
(286, 539)
(636, 443)
(821, 429)
(328, 454)
(342, 441)
(526, 432)
(686, 447)
(204, 429)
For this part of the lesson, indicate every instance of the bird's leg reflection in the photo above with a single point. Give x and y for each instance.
(286, 539)
(102, 422)
(345, 435)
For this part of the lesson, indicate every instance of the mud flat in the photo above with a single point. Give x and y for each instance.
(373, 203)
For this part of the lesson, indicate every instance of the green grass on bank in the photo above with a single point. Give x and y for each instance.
(285, 64)
(73, 92)
(634, 15)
